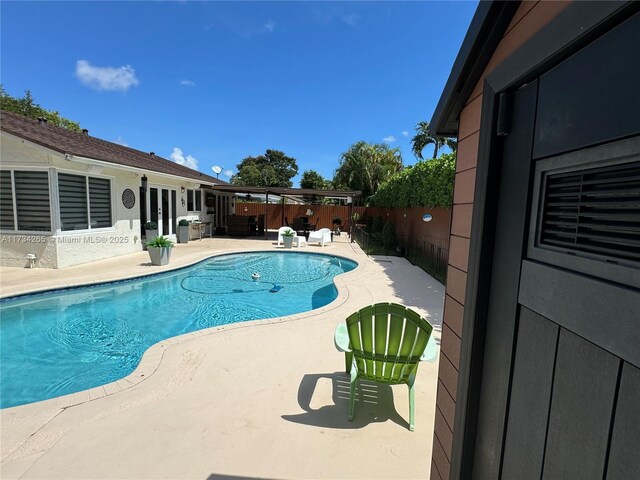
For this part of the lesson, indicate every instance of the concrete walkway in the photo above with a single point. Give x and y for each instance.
(261, 399)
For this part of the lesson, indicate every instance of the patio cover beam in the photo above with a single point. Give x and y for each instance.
(282, 191)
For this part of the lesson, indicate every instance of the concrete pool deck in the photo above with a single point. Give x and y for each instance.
(261, 399)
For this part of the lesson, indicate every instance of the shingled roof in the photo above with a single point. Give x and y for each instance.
(83, 145)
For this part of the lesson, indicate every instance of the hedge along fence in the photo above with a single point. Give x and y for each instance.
(429, 183)
(425, 188)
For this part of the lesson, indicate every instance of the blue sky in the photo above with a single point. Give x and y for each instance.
(222, 81)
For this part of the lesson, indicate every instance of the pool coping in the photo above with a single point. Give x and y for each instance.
(153, 356)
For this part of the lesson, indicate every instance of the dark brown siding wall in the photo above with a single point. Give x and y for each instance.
(530, 18)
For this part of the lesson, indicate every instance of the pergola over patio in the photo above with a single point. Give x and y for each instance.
(349, 195)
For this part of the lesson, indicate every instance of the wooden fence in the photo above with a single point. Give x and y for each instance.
(408, 222)
(322, 216)
(425, 244)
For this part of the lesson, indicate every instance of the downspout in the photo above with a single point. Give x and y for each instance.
(266, 215)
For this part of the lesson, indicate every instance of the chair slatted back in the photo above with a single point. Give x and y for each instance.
(298, 224)
(387, 341)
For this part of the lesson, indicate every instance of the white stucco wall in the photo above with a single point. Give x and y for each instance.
(14, 249)
(15, 151)
(63, 249)
(124, 237)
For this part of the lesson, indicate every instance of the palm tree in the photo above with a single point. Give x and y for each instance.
(365, 166)
(423, 137)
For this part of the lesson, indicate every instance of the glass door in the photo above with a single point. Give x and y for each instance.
(162, 209)
(153, 207)
(174, 226)
(165, 212)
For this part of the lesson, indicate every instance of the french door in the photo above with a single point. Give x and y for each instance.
(161, 209)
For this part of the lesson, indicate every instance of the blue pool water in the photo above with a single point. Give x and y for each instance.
(66, 341)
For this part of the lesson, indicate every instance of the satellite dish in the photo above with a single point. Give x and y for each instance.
(216, 169)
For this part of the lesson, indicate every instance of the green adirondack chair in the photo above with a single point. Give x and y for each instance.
(383, 343)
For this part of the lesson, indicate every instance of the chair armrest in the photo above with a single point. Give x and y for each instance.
(431, 351)
(341, 338)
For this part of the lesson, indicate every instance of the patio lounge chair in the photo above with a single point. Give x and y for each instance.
(383, 343)
(298, 240)
(321, 236)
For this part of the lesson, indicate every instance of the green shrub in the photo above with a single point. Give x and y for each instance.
(389, 239)
(288, 233)
(151, 226)
(428, 183)
(378, 225)
(160, 242)
(369, 223)
(183, 223)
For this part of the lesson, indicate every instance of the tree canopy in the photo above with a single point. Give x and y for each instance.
(429, 183)
(423, 137)
(366, 166)
(273, 169)
(312, 179)
(27, 107)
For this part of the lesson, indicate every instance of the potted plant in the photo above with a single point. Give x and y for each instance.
(287, 238)
(151, 230)
(337, 222)
(183, 231)
(160, 250)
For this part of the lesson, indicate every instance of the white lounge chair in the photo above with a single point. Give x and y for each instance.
(321, 236)
(296, 239)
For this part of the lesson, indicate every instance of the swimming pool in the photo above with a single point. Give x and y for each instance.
(66, 341)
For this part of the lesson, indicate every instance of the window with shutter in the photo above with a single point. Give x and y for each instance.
(76, 213)
(32, 200)
(6, 201)
(190, 200)
(100, 202)
(73, 202)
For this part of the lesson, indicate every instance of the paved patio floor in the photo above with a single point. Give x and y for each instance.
(262, 399)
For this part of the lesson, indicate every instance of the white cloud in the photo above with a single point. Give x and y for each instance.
(245, 29)
(389, 139)
(228, 173)
(106, 78)
(187, 83)
(120, 141)
(405, 133)
(326, 16)
(178, 156)
(350, 19)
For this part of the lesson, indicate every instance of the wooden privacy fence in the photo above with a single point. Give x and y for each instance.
(425, 244)
(407, 221)
(322, 214)
(410, 227)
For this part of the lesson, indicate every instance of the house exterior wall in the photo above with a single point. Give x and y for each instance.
(63, 249)
(529, 19)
